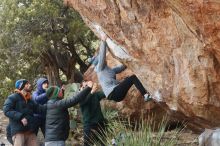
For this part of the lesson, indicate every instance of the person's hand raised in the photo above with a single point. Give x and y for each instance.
(103, 36)
(63, 87)
(94, 88)
(24, 121)
(90, 84)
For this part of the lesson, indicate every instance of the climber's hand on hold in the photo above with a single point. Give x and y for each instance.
(103, 36)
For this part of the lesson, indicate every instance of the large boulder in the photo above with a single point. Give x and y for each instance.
(173, 46)
(210, 138)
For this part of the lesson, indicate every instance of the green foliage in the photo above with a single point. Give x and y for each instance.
(71, 90)
(32, 30)
(12, 70)
(110, 114)
(38, 24)
(142, 133)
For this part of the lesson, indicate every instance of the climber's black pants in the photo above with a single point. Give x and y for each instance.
(120, 91)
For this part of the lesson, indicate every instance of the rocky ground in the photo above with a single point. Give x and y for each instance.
(187, 138)
(3, 124)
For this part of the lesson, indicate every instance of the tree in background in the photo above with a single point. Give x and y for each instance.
(40, 37)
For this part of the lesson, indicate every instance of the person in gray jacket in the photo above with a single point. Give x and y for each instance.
(112, 88)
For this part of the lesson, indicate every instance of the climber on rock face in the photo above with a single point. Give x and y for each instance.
(112, 88)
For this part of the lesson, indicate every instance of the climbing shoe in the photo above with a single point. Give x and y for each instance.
(147, 97)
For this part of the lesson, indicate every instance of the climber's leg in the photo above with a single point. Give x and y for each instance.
(119, 92)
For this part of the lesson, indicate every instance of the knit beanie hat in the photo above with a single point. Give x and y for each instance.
(94, 60)
(52, 92)
(19, 84)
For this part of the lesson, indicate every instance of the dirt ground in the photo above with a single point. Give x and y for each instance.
(3, 124)
(187, 138)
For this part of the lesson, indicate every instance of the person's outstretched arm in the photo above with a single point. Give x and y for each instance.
(94, 88)
(118, 69)
(102, 56)
(66, 103)
(40, 109)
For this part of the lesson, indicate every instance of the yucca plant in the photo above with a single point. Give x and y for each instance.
(142, 133)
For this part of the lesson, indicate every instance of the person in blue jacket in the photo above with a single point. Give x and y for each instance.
(20, 109)
(40, 97)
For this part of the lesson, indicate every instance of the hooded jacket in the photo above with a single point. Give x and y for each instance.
(39, 96)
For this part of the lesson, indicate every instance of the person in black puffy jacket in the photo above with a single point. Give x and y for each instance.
(20, 109)
(57, 116)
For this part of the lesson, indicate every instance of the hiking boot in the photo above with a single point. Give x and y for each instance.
(147, 97)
